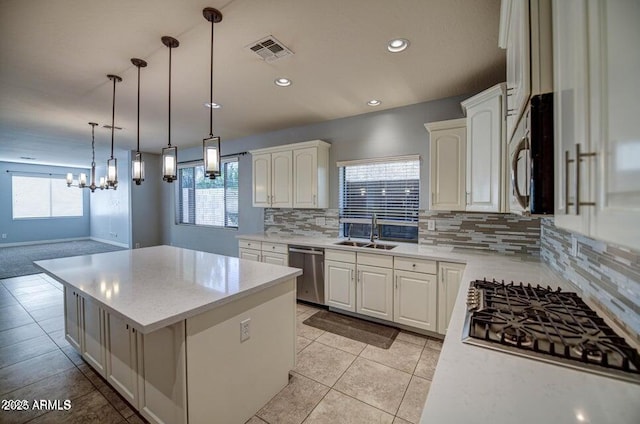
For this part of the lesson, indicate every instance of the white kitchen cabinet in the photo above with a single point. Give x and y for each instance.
(275, 258)
(93, 347)
(449, 278)
(122, 360)
(448, 162)
(525, 32)
(486, 151)
(375, 292)
(250, 254)
(597, 130)
(162, 377)
(272, 253)
(291, 176)
(272, 180)
(340, 279)
(72, 321)
(415, 297)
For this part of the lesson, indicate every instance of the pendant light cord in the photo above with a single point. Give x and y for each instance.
(170, 48)
(113, 114)
(211, 87)
(138, 148)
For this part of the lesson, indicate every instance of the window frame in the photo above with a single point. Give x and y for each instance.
(194, 164)
(344, 221)
(47, 179)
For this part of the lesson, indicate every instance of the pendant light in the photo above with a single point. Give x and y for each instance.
(170, 153)
(137, 164)
(211, 144)
(82, 178)
(112, 164)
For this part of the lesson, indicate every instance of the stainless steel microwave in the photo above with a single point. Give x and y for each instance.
(531, 159)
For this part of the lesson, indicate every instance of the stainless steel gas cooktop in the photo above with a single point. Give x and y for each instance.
(548, 325)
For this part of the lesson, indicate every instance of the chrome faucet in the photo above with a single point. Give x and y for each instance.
(374, 224)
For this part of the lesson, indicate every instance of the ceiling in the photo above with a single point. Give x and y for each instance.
(56, 55)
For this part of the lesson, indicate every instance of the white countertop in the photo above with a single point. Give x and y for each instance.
(158, 286)
(478, 385)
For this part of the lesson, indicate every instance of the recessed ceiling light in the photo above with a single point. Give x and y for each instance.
(213, 105)
(374, 102)
(282, 82)
(397, 45)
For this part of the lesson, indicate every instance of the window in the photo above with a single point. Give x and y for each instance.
(44, 197)
(202, 201)
(390, 188)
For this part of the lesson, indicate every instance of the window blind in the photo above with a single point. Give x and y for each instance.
(390, 189)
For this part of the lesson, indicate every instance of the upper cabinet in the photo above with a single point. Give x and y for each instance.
(291, 176)
(448, 161)
(597, 127)
(486, 151)
(525, 32)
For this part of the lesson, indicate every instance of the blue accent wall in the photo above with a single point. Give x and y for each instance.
(38, 229)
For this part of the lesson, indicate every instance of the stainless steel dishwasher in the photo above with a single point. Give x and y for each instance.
(311, 282)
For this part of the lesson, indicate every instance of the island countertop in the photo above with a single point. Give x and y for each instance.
(158, 286)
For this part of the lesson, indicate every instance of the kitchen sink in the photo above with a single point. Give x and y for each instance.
(380, 246)
(366, 244)
(352, 243)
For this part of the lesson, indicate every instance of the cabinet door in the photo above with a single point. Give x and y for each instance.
(375, 292)
(571, 112)
(518, 63)
(250, 254)
(275, 258)
(449, 277)
(162, 375)
(340, 285)
(93, 344)
(614, 56)
(448, 152)
(72, 325)
(305, 178)
(281, 183)
(122, 369)
(484, 155)
(261, 183)
(415, 299)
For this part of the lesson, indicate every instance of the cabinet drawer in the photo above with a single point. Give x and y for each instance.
(274, 247)
(417, 265)
(340, 256)
(384, 261)
(249, 244)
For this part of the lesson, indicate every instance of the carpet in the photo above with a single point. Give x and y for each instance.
(18, 260)
(378, 335)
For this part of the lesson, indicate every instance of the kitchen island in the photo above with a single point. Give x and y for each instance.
(184, 336)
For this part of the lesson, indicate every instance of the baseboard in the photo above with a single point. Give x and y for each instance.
(27, 243)
(115, 243)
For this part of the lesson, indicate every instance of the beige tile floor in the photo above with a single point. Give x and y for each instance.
(337, 380)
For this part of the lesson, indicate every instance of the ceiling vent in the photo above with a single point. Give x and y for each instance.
(269, 49)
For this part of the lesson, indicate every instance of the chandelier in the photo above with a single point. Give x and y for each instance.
(82, 177)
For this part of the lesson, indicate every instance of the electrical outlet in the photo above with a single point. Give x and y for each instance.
(137, 245)
(245, 330)
(4, 235)
(320, 220)
(574, 246)
(431, 224)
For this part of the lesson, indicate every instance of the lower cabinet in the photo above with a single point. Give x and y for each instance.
(72, 314)
(122, 362)
(339, 280)
(415, 299)
(375, 291)
(250, 254)
(93, 349)
(449, 277)
(271, 253)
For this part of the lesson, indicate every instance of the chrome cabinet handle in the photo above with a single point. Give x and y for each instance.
(396, 282)
(579, 157)
(567, 162)
(523, 200)
(351, 275)
(314, 199)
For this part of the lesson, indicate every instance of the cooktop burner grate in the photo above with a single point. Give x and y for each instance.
(547, 323)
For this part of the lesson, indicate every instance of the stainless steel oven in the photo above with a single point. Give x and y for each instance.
(531, 159)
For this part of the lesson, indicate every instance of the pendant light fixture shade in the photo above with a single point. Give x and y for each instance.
(170, 153)
(137, 164)
(112, 163)
(211, 144)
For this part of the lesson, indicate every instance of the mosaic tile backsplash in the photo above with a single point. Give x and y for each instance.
(504, 233)
(508, 234)
(606, 274)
